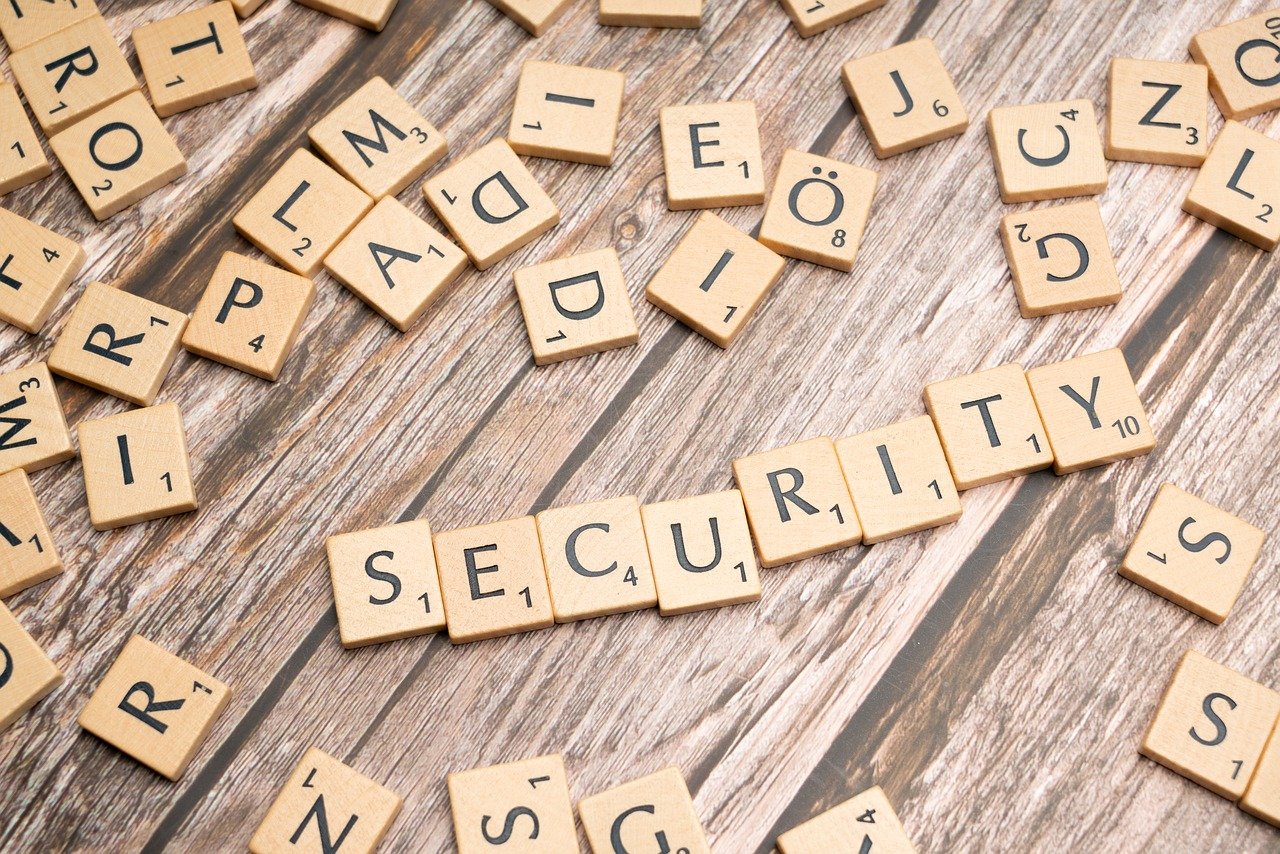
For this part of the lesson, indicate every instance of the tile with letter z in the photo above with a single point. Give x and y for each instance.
(194, 58)
(33, 430)
(36, 267)
(27, 552)
(818, 210)
(1157, 112)
(1238, 187)
(711, 153)
(1047, 151)
(30, 673)
(864, 823)
(524, 803)
(633, 815)
(1060, 259)
(1243, 58)
(566, 112)
(576, 306)
(22, 160)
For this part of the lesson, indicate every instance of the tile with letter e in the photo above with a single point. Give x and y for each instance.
(1243, 59)
(22, 160)
(395, 262)
(1157, 112)
(1211, 725)
(249, 316)
(525, 803)
(865, 822)
(119, 155)
(701, 553)
(1238, 187)
(1262, 798)
(818, 209)
(1193, 553)
(492, 580)
(36, 267)
(597, 559)
(385, 584)
(1060, 259)
(136, 466)
(645, 13)
(30, 675)
(711, 153)
(566, 112)
(576, 306)
(378, 140)
(1047, 151)
(194, 58)
(814, 16)
(25, 22)
(1091, 411)
(905, 97)
(370, 14)
(33, 430)
(633, 815)
(714, 280)
(326, 806)
(797, 502)
(491, 203)
(534, 15)
(27, 552)
(988, 425)
(119, 343)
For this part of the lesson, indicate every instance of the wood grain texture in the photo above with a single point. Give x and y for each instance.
(994, 676)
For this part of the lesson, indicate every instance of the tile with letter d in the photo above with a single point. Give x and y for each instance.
(1262, 798)
(27, 552)
(25, 22)
(370, 14)
(566, 112)
(29, 674)
(1238, 187)
(33, 430)
(1157, 112)
(194, 58)
(534, 15)
(815, 16)
(635, 814)
(1243, 58)
(576, 306)
(866, 822)
(645, 13)
(1047, 151)
(711, 153)
(524, 803)
(818, 209)
(1060, 259)
(36, 267)
(22, 160)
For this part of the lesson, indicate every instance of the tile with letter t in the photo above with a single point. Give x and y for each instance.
(1157, 112)
(711, 153)
(645, 13)
(1193, 553)
(1060, 259)
(525, 803)
(700, 549)
(22, 160)
(534, 15)
(566, 112)
(631, 816)
(194, 58)
(36, 267)
(866, 822)
(1262, 798)
(27, 552)
(1243, 58)
(1211, 725)
(1238, 187)
(25, 22)
(385, 584)
(1047, 151)
(370, 14)
(815, 16)
(33, 430)
(28, 673)
(576, 306)
(818, 210)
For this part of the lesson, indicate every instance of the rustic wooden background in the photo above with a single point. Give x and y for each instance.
(994, 676)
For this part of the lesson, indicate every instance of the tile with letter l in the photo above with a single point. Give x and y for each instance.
(22, 160)
(1157, 112)
(25, 22)
(1047, 151)
(576, 306)
(33, 430)
(818, 210)
(30, 673)
(36, 267)
(370, 14)
(634, 814)
(645, 13)
(27, 552)
(815, 16)
(524, 803)
(566, 112)
(711, 153)
(194, 58)
(866, 822)
(1060, 259)
(1262, 798)
(534, 15)
(1238, 187)
(1243, 58)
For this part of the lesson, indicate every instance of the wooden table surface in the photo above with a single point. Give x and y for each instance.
(994, 676)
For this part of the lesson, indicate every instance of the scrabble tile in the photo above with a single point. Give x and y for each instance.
(1211, 725)
(492, 580)
(597, 559)
(576, 306)
(631, 816)
(905, 97)
(1090, 410)
(119, 343)
(245, 8)
(711, 153)
(33, 430)
(1238, 187)
(700, 550)
(36, 266)
(249, 316)
(29, 675)
(814, 16)
(534, 15)
(378, 140)
(566, 112)
(491, 203)
(1193, 553)
(797, 501)
(119, 155)
(136, 466)
(1157, 112)
(866, 822)
(22, 160)
(72, 74)
(818, 210)
(25, 22)
(988, 425)
(1060, 259)
(370, 14)
(646, 13)
(326, 804)
(27, 552)
(194, 58)
(385, 583)
(1047, 151)
(714, 279)
(1243, 58)
(525, 803)
(395, 262)
(1262, 797)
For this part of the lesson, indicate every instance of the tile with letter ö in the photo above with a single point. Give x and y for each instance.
(1238, 187)
(815, 16)
(818, 210)
(370, 14)
(566, 112)
(26, 673)
(864, 823)
(27, 552)
(633, 815)
(194, 58)
(646, 13)
(711, 153)
(25, 22)
(1157, 112)
(534, 15)
(576, 306)
(33, 430)
(22, 160)
(1243, 59)
(1060, 259)
(36, 267)
(1047, 151)
(525, 803)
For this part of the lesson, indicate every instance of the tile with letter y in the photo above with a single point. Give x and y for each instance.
(370, 14)
(576, 306)
(1238, 187)
(33, 430)
(22, 160)
(1243, 58)
(194, 58)
(1157, 112)
(815, 16)
(1047, 151)
(566, 112)
(633, 815)
(534, 15)
(864, 823)
(524, 803)
(36, 267)
(1060, 259)
(818, 210)
(25, 22)
(27, 552)
(711, 153)
(28, 673)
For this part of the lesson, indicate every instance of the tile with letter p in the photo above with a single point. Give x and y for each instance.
(524, 803)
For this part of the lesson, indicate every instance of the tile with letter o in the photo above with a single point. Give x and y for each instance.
(1243, 58)
(818, 210)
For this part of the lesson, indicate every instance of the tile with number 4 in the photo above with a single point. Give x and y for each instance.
(22, 160)
(633, 815)
(576, 306)
(1238, 187)
(36, 267)
(1047, 151)
(1060, 259)
(33, 430)
(815, 16)
(818, 210)
(526, 803)
(1243, 59)
(27, 552)
(566, 112)
(25, 22)
(865, 822)
(194, 58)
(711, 153)
(31, 675)
(1158, 112)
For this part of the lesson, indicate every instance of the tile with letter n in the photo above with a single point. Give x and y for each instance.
(631, 816)
(1047, 151)
(711, 153)
(1091, 411)
(534, 15)
(566, 112)
(645, 13)
(22, 160)
(136, 466)
(26, 673)
(815, 16)
(1060, 259)
(324, 807)
(818, 210)
(1211, 725)
(25, 22)
(864, 823)
(1243, 58)
(576, 306)
(36, 267)
(700, 549)
(33, 430)
(27, 552)
(1262, 798)
(370, 14)
(524, 803)
(194, 58)
(1238, 187)
(1157, 112)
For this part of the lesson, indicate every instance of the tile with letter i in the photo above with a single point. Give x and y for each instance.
(324, 807)
(566, 112)
(1047, 151)
(25, 22)
(534, 15)
(22, 160)
(1262, 798)
(194, 59)
(36, 267)
(864, 823)
(635, 814)
(27, 552)
(711, 153)
(818, 210)
(1158, 112)
(814, 16)
(576, 306)
(370, 14)
(525, 803)
(26, 673)
(33, 430)
(1060, 259)
(1238, 187)
(1243, 59)
(1211, 725)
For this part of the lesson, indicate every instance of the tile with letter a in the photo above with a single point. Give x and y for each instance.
(370, 14)
(524, 803)
(136, 466)
(646, 13)
(324, 807)
(491, 203)
(814, 16)
(1243, 58)
(27, 552)
(1262, 798)
(864, 823)
(566, 112)
(576, 306)
(26, 673)
(1238, 187)
(25, 22)
(1211, 725)
(33, 430)
(700, 549)
(711, 153)
(155, 707)
(1047, 151)
(22, 160)
(631, 816)
(534, 15)
(818, 209)
(194, 58)
(36, 267)
(1060, 259)
(1193, 553)
(1158, 112)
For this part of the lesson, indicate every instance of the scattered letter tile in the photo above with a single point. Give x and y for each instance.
(712, 155)
(370, 14)
(245, 8)
(36, 266)
(1243, 58)
(818, 210)
(865, 822)
(1158, 112)
(22, 160)
(525, 803)
(814, 16)
(194, 58)
(646, 13)
(25, 22)
(576, 306)
(31, 676)
(1238, 187)
(634, 814)
(33, 430)
(1262, 798)
(566, 112)
(27, 552)
(1060, 259)
(534, 15)
(1047, 151)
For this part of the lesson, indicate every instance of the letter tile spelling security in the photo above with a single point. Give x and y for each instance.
(22, 160)
(534, 15)
(1238, 187)
(566, 112)
(818, 210)
(576, 306)
(866, 822)
(633, 815)
(1157, 112)
(31, 674)
(25, 22)
(1047, 151)
(1060, 259)
(27, 552)
(814, 16)
(36, 267)
(194, 58)
(33, 430)
(1243, 58)
(712, 155)
(525, 803)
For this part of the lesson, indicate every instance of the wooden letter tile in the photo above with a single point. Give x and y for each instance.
(245, 8)
(534, 15)
(715, 279)
(155, 707)
(136, 466)
(249, 316)
(33, 430)
(865, 822)
(31, 674)
(370, 14)
(1158, 112)
(576, 306)
(634, 814)
(1243, 58)
(1192, 553)
(566, 112)
(36, 266)
(646, 13)
(1047, 151)
(1060, 259)
(813, 16)
(1211, 725)
(25, 22)
(1262, 798)
(525, 803)
(27, 552)
(700, 549)
(818, 210)
(492, 580)
(1091, 411)
(385, 583)
(1238, 187)
(491, 203)
(712, 155)
(22, 159)
(194, 58)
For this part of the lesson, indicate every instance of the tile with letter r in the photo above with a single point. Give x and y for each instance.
(524, 803)
(864, 823)
(1262, 798)
(33, 430)
(566, 112)
(1238, 187)
(194, 58)
(711, 153)
(1243, 58)
(818, 210)
(27, 552)
(1060, 259)
(645, 13)
(22, 160)
(1047, 151)
(25, 22)
(1157, 112)
(534, 15)
(370, 14)
(26, 673)
(635, 814)
(36, 267)
(815, 16)
(576, 306)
